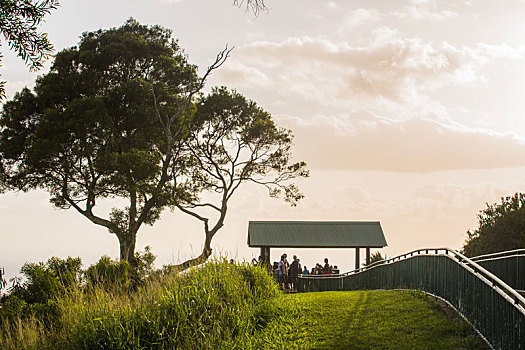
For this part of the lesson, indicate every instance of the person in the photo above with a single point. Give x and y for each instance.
(335, 270)
(286, 261)
(327, 269)
(294, 271)
(275, 270)
(305, 271)
(283, 271)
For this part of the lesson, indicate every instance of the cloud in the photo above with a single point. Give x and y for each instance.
(359, 17)
(424, 10)
(387, 74)
(415, 145)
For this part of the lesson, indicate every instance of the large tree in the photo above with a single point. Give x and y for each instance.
(232, 141)
(19, 21)
(90, 130)
(119, 117)
(501, 227)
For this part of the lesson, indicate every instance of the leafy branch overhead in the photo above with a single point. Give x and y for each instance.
(19, 21)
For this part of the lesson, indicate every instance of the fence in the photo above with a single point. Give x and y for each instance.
(495, 310)
(509, 266)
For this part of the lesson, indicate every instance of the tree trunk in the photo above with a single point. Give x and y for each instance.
(205, 254)
(127, 248)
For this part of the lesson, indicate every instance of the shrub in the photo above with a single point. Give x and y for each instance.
(214, 305)
(108, 274)
(43, 284)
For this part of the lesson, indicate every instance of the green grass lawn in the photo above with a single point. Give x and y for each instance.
(378, 320)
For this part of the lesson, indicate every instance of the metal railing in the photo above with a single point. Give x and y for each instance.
(495, 310)
(508, 265)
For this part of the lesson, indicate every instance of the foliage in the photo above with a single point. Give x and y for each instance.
(3, 282)
(90, 130)
(144, 267)
(46, 281)
(233, 141)
(43, 283)
(117, 118)
(114, 275)
(218, 305)
(376, 257)
(19, 20)
(108, 274)
(501, 227)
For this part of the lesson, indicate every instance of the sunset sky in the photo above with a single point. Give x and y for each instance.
(411, 113)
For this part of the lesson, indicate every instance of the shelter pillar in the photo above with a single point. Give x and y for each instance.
(357, 258)
(265, 256)
(367, 256)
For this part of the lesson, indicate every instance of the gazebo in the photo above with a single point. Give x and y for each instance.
(316, 234)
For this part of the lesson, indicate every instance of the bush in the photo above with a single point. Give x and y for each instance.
(216, 305)
(44, 283)
(108, 274)
(142, 268)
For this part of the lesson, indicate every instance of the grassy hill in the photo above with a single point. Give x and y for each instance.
(220, 306)
(379, 320)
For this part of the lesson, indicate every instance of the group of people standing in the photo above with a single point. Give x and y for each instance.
(287, 273)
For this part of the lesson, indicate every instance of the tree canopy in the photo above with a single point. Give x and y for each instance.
(501, 227)
(89, 130)
(19, 20)
(121, 116)
(232, 141)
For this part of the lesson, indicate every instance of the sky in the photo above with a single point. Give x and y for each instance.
(408, 112)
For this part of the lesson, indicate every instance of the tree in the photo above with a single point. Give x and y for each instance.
(233, 141)
(90, 130)
(119, 118)
(501, 227)
(376, 257)
(19, 20)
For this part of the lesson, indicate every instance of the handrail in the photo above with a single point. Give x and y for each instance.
(496, 311)
(514, 252)
(486, 276)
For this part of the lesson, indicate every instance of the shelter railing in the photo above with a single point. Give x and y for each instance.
(495, 310)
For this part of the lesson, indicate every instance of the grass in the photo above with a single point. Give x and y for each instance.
(225, 306)
(216, 306)
(379, 320)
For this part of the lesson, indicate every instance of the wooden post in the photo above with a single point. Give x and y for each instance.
(367, 256)
(265, 254)
(357, 258)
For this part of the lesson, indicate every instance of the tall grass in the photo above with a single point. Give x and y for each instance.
(217, 305)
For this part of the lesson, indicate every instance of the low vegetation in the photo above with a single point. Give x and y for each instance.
(218, 305)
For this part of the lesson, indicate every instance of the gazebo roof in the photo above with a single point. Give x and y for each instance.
(316, 234)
